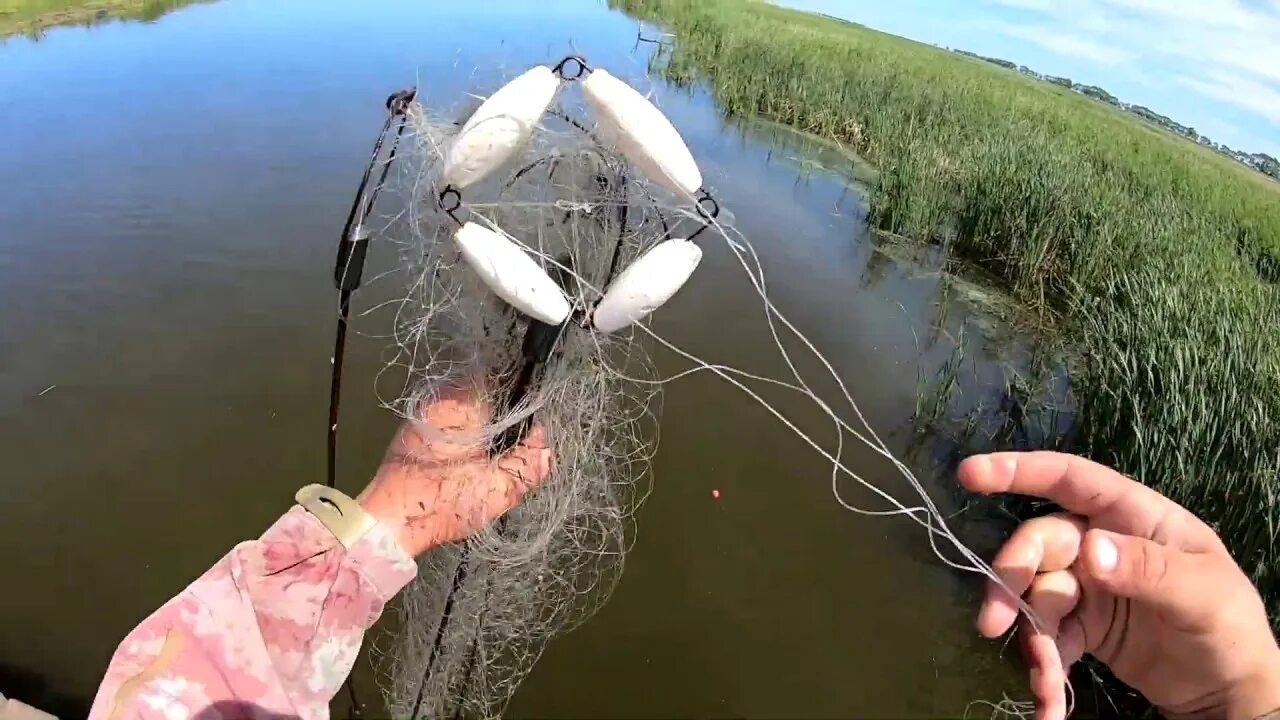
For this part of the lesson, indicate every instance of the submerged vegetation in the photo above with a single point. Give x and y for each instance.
(1159, 257)
(33, 17)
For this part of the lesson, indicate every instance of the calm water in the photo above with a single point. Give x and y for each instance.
(170, 194)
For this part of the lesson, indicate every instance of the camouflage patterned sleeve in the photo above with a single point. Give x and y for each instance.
(272, 629)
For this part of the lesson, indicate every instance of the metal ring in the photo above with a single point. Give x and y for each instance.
(708, 214)
(560, 68)
(705, 197)
(450, 193)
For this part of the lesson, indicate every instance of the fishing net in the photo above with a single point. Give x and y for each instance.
(584, 204)
(481, 612)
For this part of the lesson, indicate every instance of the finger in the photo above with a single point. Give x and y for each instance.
(1043, 544)
(1047, 673)
(1071, 639)
(449, 427)
(535, 438)
(464, 406)
(1162, 577)
(1052, 597)
(1078, 485)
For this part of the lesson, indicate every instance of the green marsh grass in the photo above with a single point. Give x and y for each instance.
(1158, 257)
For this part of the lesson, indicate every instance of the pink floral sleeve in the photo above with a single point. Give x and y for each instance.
(272, 629)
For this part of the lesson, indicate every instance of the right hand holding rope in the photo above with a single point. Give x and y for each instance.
(1135, 580)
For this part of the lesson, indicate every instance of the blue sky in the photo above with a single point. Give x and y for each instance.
(1210, 64)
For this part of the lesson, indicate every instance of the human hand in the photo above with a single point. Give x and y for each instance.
(438, 484)
(1132, 578)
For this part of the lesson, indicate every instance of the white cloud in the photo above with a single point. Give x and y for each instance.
(1064, 44)
(1221, 34)
(1224, 50)
(1042, 5)
(1240, 91)
(1219, 128)
(1219, 13)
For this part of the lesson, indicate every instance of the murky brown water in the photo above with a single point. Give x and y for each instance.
(170, 195)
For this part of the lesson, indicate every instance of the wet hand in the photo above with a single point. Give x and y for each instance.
(1133, 579)
(438, 484)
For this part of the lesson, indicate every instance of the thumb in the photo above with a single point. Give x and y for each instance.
(1148, 572)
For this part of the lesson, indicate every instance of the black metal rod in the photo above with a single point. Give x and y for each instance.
(473, 656)
(348, 271)
(353, 246)
(539, 340)
(622, 231)
(459, 577)
(335, 382)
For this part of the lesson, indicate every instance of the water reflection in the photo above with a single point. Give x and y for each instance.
(34, 19)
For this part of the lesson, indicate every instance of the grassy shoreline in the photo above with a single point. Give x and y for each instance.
(33, 17)
(1160, 258)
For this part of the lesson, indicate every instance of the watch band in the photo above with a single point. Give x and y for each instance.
(340, 514)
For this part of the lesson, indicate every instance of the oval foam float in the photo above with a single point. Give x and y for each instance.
(650, 281)
(641, 132)
(499, 127)
(511, 273)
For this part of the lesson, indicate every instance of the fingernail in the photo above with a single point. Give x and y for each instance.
(977, 465)
(980, 620)
(1105, 554)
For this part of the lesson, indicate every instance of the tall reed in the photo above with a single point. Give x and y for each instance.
(1160, 256)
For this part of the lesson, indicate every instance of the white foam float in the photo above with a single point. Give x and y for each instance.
(511, 273)
(641, 132)
(647, 284)
(499, 127)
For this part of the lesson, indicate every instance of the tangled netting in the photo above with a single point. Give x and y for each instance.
(481, 612)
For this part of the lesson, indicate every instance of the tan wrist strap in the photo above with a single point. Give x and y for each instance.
(340, 514)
